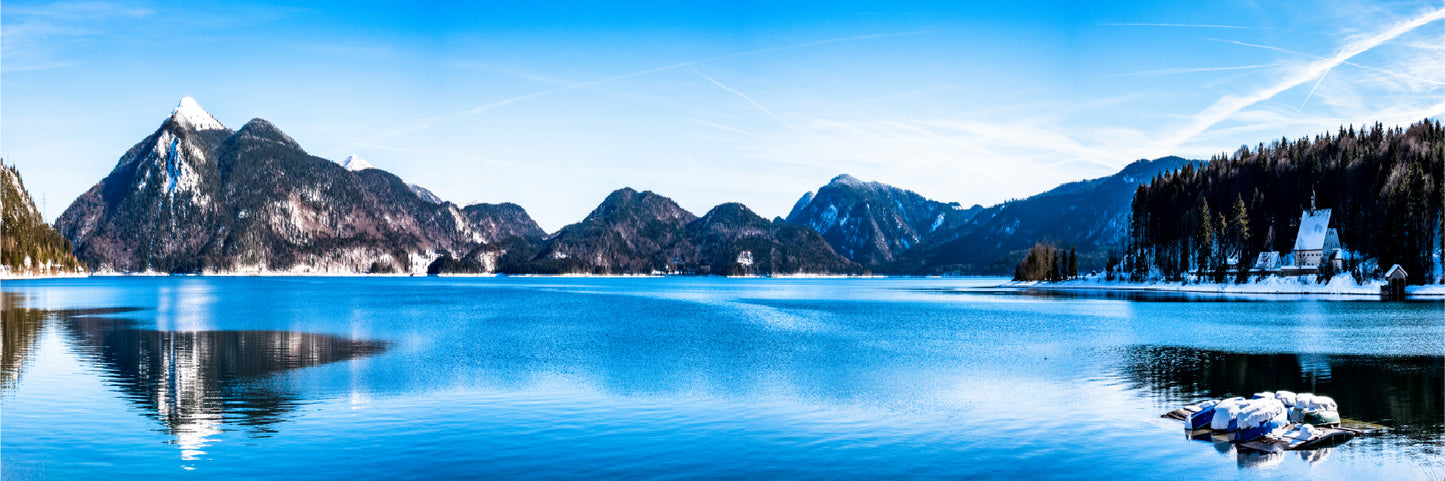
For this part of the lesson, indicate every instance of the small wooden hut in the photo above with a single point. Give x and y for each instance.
(1394, 288)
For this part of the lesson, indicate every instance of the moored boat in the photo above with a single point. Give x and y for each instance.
(1226, 415)
(1269, 421)
(1260, 417)
(1316, 410)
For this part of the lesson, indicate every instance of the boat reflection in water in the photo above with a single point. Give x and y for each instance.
(194, 382)
(1383, 390)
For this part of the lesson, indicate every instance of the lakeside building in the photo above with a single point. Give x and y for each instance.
(1316, 244)
(1268, 262)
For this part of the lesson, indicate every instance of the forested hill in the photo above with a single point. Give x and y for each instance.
(27, 244)
(1384, 186)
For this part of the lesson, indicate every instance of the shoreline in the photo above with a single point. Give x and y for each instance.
(21, 277)
(1340, 286)
(409, 275)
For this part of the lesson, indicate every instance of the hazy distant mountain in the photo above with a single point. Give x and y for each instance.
(195, 196)
(27, 244)
(1090, 215)
(635, 232)
(873, 223)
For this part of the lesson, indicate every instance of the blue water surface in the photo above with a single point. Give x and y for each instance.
(686, 378)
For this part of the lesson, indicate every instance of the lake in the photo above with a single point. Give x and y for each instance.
(685, 378)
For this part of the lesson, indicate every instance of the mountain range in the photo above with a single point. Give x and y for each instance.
(195, 196)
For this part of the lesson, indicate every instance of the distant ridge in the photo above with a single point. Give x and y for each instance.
(873, 223)
(633, 232)
(1089, 215)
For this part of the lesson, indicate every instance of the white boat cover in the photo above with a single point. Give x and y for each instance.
(1257, 412)
(1225, 411)
(1311, 402)
(1318, 403)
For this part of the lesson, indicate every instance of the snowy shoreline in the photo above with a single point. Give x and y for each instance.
(1339, 286)
(404, 274)
(21, 277)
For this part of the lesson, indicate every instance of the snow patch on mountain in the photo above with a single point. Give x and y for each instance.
(174, 159)
(355, 163)
(190, 114)
(424, 193)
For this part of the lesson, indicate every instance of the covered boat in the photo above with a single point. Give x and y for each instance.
(1269, 422)
(1226, 415)
(1316, 410)
(1260, 417)
(1201, 415)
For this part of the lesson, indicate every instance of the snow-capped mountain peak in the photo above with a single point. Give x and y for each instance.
(355, 163)
(190, 113)
(424, 193)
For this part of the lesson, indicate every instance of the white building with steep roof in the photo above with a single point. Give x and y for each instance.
(1316, 241)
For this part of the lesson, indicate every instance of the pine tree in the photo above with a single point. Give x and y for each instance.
(1073, 263)
(1204, 235)
(1239, 232)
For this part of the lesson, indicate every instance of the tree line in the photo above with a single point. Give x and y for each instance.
(1047, 262)
(1384, 186)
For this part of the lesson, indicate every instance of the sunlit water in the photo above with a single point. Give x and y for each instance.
(662, 378)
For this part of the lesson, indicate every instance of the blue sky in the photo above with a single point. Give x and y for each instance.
(552, 106)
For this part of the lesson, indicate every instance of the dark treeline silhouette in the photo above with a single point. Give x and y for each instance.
(1045, 262)
(1384, 186)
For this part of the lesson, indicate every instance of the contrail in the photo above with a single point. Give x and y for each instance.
(475, 110)
(1230, 105)
(1312, 91)
(745, 97)
(1172, 71)
(1317, 57)
(1186, 25)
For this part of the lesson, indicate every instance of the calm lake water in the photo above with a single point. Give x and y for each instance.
(667, 378)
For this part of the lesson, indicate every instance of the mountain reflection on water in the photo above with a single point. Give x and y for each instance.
(20, 330)
(1400, 392)
(192, 381)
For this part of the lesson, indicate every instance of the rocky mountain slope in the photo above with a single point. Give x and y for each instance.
(28, 246)
(732, 240)
(873, 223)
(197, 197)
